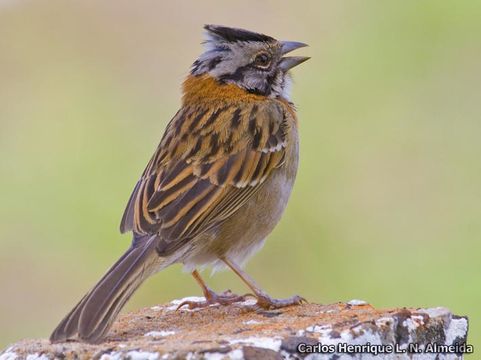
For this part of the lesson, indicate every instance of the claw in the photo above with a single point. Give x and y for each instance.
(226, 298)
(190, 304)
(249, 295)
(267, 303)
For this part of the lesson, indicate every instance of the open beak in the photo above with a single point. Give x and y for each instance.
(288, 46)
(288, 62)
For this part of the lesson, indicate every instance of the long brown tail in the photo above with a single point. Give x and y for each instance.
(93, 316)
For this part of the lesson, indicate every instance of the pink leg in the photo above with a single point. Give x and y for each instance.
(263, 300)
(226, 298)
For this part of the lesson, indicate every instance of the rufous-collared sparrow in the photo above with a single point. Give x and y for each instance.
(217, 184)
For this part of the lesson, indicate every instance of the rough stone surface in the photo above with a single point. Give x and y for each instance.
(240, 331)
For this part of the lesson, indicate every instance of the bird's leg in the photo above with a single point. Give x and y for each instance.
(211, 298)
(263, 299)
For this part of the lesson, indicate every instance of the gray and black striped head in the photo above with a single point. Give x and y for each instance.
(252, 61)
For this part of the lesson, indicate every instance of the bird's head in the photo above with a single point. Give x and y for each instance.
(252, 61)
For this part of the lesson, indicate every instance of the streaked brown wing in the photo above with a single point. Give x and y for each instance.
(208, 164)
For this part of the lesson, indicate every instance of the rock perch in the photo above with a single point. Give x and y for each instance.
(353, 330)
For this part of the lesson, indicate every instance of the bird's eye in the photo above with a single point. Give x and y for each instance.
(262, 60)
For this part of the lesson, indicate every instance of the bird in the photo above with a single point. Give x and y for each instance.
(217, 184)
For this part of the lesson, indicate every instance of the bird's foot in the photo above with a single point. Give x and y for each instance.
(212, 298)
(265, 302)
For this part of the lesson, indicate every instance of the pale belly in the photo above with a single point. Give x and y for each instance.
(244, 233)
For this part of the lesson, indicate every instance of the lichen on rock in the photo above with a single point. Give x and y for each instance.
(240, 331)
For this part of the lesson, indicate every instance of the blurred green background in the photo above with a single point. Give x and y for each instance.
(387, 203)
